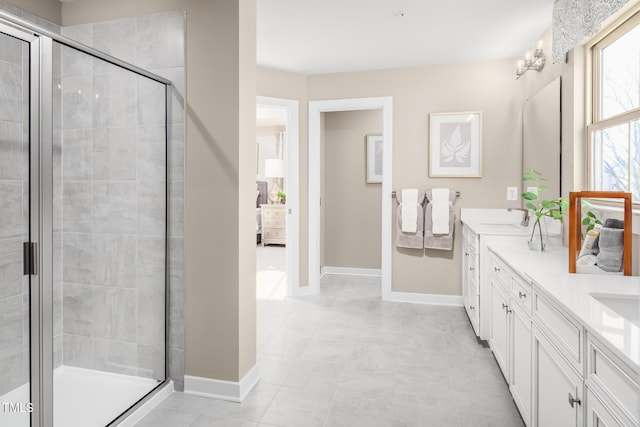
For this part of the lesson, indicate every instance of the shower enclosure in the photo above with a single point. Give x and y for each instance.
(83, 232)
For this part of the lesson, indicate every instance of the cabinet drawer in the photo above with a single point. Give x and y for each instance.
(273, 233)
(598, 414)
(273, 223)
(521, 292)
(498, 269)
(606, 376)
(565, 333)
(268, 212)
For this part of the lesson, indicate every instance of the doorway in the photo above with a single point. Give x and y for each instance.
(277, 213)
(316, 108)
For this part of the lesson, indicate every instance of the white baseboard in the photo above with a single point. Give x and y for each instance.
(434, 299)
(147, 406)
(219, 389)
(350, 271)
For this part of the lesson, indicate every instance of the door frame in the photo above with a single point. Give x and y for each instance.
(316, 108)
(292, 187)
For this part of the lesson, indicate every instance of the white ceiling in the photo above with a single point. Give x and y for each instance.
(326, 36)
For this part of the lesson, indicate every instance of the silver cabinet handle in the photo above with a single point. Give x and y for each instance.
(466, 254)
(496, 269)
(472, 268)
(522, 295)
(504, 306)
(509, 311)
(573, 400)
(471, 307)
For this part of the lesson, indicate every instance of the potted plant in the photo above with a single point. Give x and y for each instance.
(555, 208)
(282, 197)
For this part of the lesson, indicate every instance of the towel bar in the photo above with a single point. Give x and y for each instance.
(393, 194)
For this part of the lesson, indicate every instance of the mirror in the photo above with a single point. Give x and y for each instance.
(541, 137)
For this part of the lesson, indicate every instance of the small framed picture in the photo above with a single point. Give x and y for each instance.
(455, 145)
(374, 159)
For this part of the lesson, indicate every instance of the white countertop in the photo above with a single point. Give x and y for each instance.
(549, 273)
(486, 227)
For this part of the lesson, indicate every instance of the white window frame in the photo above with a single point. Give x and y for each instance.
(595, 123)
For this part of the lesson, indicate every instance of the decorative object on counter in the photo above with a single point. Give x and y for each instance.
(617, 249)
(282, 197)
(533, 60)
(590, 242)
(555, 209)
(374, 159)
(408, 239)
(433, 240)
(274, 168)
(455, 145)
(590, 219)
(611, 250)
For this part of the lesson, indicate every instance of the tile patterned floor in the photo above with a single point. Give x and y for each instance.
(345, 358)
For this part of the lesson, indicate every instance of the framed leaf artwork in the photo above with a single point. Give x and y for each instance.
(374, 159)
(455, 145)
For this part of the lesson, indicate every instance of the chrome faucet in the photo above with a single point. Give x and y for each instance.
(525, 216)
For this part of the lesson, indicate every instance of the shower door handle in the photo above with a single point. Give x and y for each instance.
(29, 258)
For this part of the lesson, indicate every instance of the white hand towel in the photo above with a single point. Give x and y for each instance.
(440, 210)
(410, 210)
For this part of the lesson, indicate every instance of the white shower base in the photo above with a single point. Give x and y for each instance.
(81, 397)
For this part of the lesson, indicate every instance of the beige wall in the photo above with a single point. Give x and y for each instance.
(488, 86)
(220, 334)
(50, 10)
(351, 206)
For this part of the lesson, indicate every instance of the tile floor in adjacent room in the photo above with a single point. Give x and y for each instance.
(345, 358)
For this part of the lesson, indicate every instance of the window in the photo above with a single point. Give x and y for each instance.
(615, 124)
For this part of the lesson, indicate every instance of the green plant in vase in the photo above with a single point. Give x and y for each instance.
(555, 208)
(282, 197)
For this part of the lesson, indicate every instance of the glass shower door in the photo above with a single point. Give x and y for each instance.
(15, 94)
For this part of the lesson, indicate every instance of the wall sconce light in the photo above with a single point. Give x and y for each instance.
(532, 61)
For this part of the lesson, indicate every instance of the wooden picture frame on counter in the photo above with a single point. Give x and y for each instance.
(575, 225)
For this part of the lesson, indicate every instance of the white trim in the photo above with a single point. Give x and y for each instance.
(433, 299)
(292, 187)
(219, 389)
(351, 271)
(316, 108)
(148, 406)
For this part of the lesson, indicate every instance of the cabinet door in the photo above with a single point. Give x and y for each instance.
(499, 325)
(557, 391)
(598, 415)
(520, 344)
(465, 275)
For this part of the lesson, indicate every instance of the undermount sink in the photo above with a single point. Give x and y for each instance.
(627, 306)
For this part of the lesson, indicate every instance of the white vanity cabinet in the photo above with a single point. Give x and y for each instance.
(510, 336)
(570, 359)
(471, 276)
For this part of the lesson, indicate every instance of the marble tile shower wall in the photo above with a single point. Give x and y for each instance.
(14, 227)
(113, 253)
